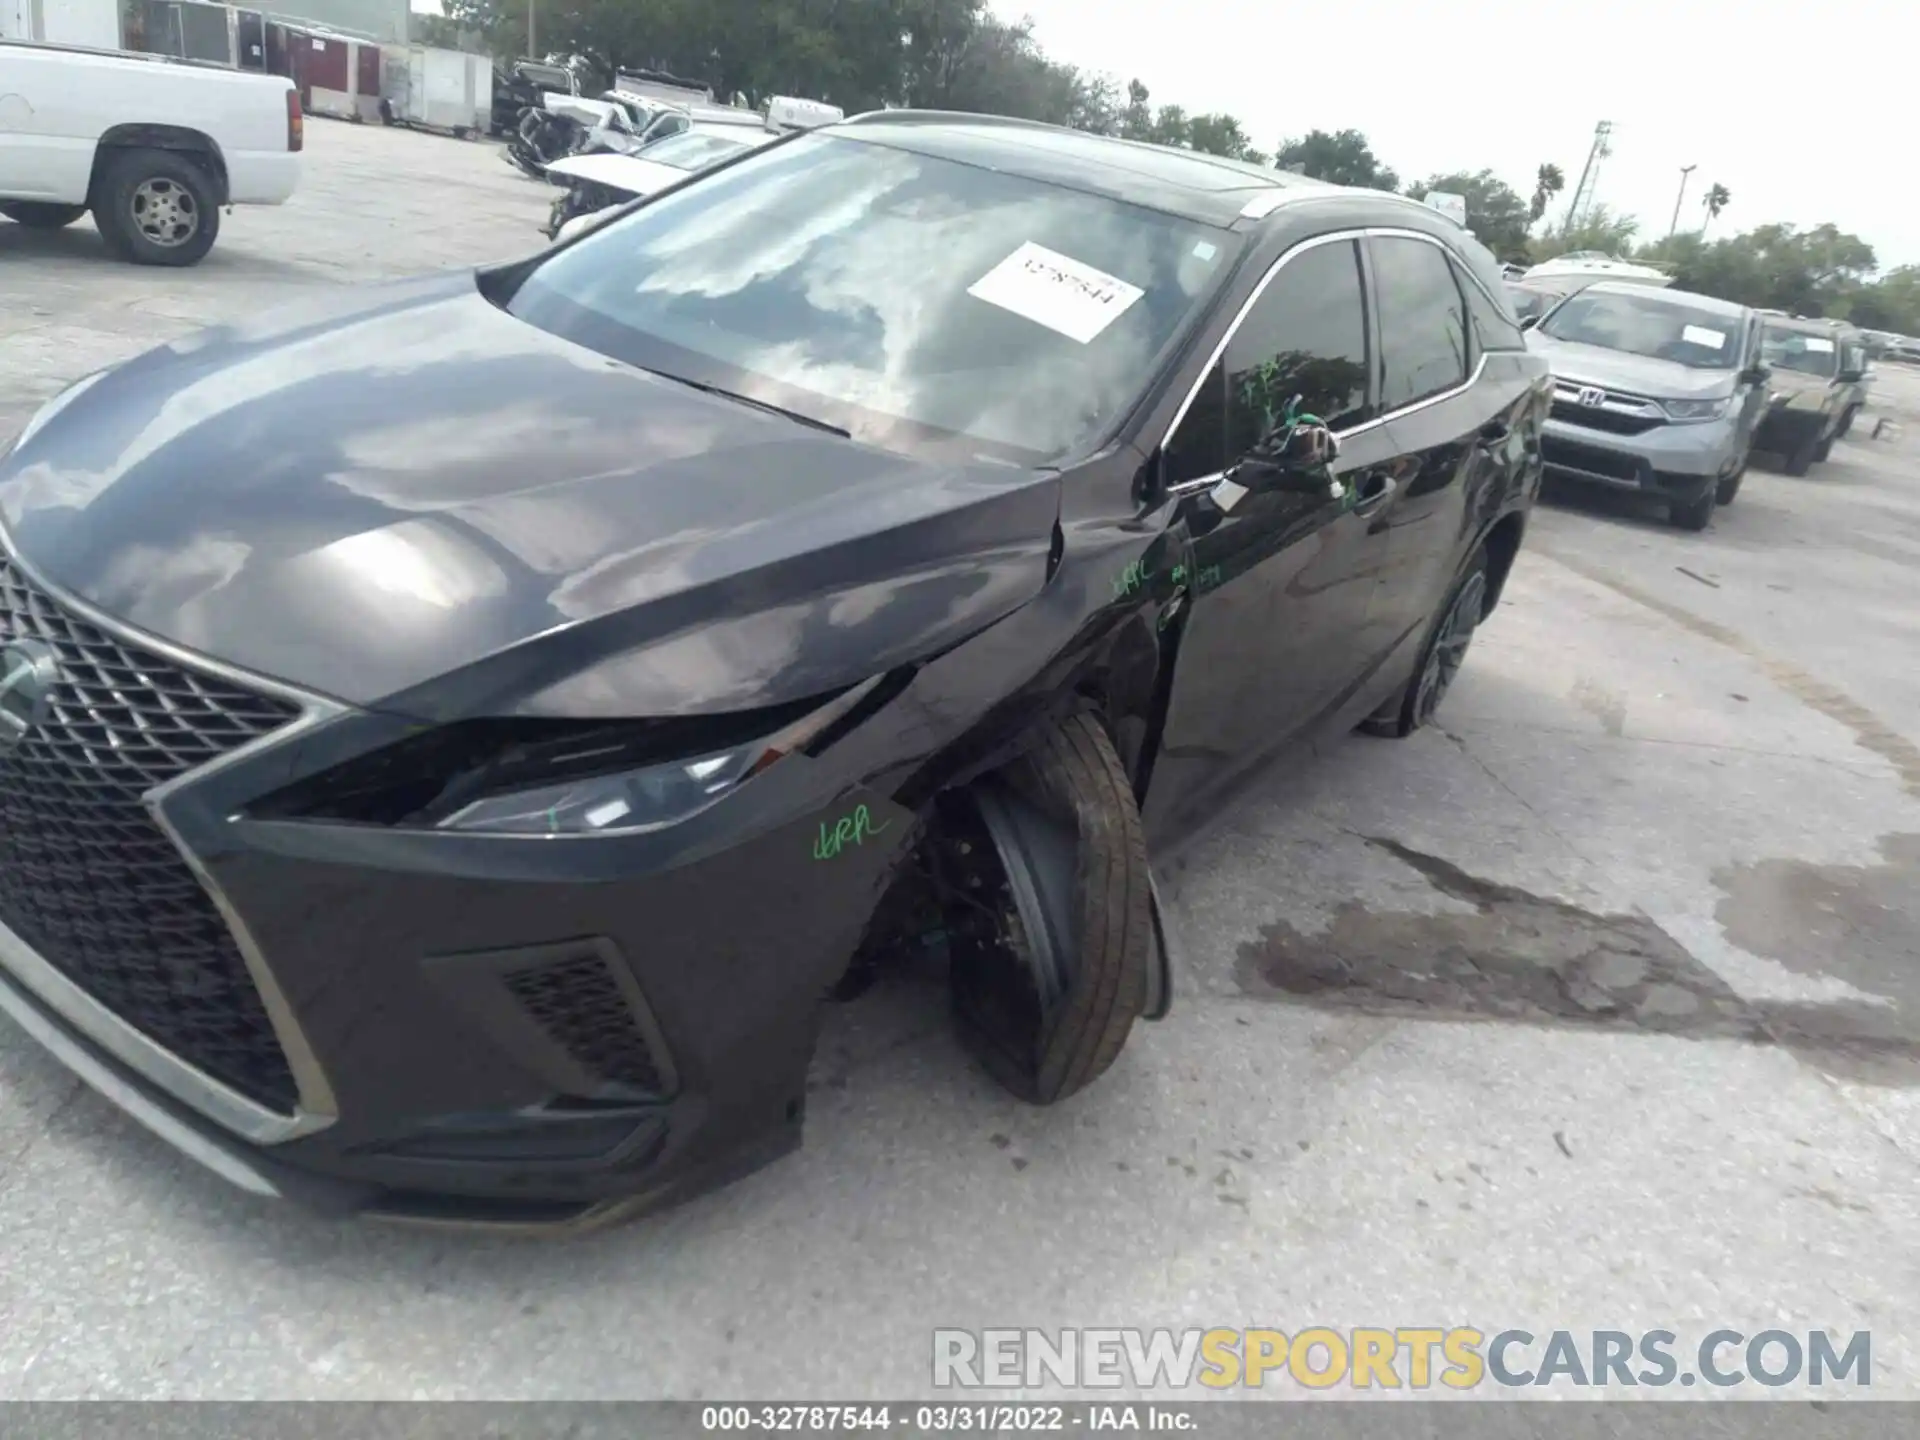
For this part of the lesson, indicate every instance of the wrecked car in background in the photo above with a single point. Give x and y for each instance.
(629, 646)
(1819, 385)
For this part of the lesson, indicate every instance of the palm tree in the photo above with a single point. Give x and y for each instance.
(1716, 201)
(1547, 183)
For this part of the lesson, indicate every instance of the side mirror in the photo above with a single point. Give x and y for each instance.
(1290, 455)
(1756, 375)
(1852, 377)
(1529, 322)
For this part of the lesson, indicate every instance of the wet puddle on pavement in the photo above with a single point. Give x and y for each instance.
(1532, 959)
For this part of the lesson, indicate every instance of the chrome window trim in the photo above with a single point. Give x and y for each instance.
(1207, 482)
(316, 1107)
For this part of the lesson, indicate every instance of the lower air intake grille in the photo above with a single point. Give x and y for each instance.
(582, 1008)
(88, 879)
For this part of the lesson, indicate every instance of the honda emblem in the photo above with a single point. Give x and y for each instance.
(1591, 395)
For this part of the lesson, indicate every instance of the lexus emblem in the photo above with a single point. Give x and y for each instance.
(1591, 395)
(28, 673)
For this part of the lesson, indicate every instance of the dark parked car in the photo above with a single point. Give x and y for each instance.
(452, 738)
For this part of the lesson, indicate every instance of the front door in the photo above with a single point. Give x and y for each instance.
(1274, 629)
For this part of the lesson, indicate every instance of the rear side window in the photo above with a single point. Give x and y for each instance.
(1423, 339)
(1492, 330)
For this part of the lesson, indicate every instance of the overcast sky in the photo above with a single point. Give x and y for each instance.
(1508, 85)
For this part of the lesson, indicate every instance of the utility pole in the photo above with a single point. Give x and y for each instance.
(533, 48)
(1590, 176)
(1685, 171)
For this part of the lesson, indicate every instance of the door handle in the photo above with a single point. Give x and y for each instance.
(1495, 432)
(1373, 492)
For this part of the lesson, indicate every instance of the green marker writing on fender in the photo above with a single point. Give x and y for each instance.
(848, 829)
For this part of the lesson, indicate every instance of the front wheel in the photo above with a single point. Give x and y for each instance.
(1693, 514)
(1445, 653)
(1846, 422)
(156, 207)
(1724, 492)
(1050, 915)
(41, 214)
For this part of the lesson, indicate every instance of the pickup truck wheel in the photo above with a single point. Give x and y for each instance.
(1446, 651)
(156, 207)
(40, 214)
(1049, 911)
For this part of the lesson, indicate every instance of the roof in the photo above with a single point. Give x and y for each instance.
(1803, 324)
(1208, 188)
(1711, 304)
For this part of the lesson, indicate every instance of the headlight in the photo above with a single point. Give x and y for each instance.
(1687, 410)
(638, 800)
(562, 777)
(52, 408)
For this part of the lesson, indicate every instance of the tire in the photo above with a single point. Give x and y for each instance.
(1442, 657)
(1802, 458)
(1048, 978)
(1724, 492)
(1824, 449)
(156, 207)
(1694, 514)
(1846, 422)
(41, 215)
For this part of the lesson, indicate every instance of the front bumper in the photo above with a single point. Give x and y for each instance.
(1668, 459)
(427, 1026)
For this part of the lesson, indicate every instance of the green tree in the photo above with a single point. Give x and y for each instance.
(1548, 182)
(1600, 229)
(1495, 212)
(1713, 202)
(1342, 157)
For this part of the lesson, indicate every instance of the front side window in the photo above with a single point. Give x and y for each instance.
(1802, 353)
(918, 303)
(1423, 340)
(1650, 324)
(1301, 350)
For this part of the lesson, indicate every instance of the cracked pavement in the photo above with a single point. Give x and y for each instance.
(1595, 1005)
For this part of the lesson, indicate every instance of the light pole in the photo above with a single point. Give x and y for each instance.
(1685, 171)
(533, 49)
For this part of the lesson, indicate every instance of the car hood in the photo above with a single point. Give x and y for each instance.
(1634, 374)
(360, 498)
(627, 173)
(1782, 381)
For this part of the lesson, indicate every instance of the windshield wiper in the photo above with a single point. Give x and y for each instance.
(757, 404)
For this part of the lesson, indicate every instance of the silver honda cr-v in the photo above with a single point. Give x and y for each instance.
(1655, 390)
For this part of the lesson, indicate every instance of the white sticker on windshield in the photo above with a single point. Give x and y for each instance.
(1204, 250)
(1817, 344)
(1056, 291)
(1700, 335)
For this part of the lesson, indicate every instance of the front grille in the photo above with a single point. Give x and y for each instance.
(86, 876)
(1612, 421)
(1591, 459)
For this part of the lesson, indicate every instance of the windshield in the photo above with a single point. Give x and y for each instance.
(1795, 350)
(1529, 302)
(690, 150)
(1660, 327)
(919, 304)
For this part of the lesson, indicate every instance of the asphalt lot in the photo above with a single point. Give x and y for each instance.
(1598, 1005)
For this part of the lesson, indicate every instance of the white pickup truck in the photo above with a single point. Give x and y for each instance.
(153, 146)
